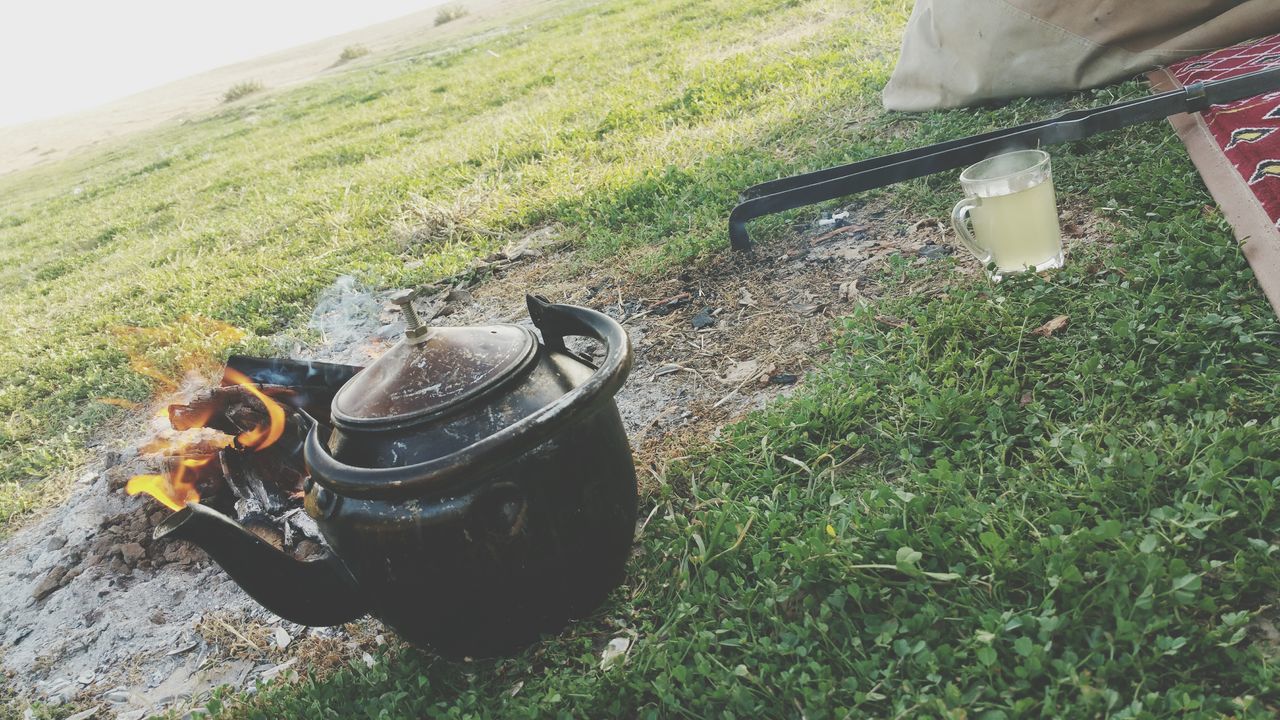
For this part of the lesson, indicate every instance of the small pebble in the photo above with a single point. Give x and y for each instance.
(934, 252)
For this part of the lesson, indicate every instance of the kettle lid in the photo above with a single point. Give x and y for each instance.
(433, 370)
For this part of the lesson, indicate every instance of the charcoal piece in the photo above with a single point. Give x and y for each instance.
(304, 526)
(298, 527)
(245, 507)
(231, 409)
(265, 528)
(703, 319)
(308, 550)
(269, 478)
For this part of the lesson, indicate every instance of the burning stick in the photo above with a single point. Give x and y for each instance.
(262, 481)
(230, 409)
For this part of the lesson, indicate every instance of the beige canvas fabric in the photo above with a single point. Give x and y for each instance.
(962, 52)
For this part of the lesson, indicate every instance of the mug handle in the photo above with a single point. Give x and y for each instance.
(960, 221)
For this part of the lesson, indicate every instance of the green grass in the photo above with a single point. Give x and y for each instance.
(955, 518)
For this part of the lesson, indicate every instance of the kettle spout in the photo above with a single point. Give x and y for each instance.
(308, 592)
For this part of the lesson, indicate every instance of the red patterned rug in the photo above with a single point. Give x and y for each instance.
(1236, 148)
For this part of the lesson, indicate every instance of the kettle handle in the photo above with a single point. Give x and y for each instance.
(555, 322)
(555, 325)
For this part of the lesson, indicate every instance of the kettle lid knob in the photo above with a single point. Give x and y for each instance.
(415, 330)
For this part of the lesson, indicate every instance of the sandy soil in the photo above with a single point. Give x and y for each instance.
(45, 141)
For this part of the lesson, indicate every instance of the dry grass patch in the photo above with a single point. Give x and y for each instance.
(449, 13)
(240, 90)
(351, 52)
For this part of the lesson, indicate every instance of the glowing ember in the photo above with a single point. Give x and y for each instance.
(261, 437)
(174, 492)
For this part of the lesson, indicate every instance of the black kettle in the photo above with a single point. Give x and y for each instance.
(476, 489)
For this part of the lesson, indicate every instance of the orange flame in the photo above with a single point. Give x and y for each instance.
(174, 492)
(261, 437)
(177, 490)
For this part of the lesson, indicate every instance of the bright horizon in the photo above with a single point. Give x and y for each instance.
(64, 56)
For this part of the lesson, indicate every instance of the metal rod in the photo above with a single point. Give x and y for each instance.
(821, 185)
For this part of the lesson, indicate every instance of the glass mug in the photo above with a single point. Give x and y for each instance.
(1014, 214)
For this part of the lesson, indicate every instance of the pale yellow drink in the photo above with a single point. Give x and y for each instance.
(1020, 230)
(1014, 213)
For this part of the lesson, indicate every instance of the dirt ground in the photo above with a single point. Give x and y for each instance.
(46, 141)
(96, 613)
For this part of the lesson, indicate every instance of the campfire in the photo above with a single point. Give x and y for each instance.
(237, 447)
